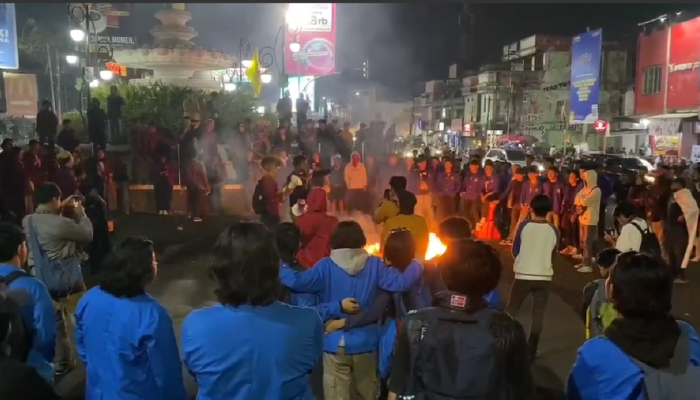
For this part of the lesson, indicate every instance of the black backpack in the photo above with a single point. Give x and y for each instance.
(650, 243)
(20, 339)
(454, 355)
(258, 200)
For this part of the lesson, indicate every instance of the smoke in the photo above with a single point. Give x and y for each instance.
(371, 230)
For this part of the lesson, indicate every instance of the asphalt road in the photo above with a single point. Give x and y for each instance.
(182, 286)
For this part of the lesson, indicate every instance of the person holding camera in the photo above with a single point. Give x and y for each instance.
(389, 206)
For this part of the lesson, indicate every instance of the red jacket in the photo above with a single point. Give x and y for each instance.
(316, 227)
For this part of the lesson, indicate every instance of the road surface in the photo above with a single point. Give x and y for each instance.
(182, 286)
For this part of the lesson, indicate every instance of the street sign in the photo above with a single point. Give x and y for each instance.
(467, 128)
(21, 95)
(600, 126)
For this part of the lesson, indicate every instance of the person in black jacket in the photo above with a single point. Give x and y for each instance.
(46, 124)
(17, 379)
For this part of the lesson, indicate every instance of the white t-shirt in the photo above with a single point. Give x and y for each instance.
(630, 238)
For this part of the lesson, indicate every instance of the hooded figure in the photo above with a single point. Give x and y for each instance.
(356, 183)
(689, 207)
(316, 227)
(587, 203)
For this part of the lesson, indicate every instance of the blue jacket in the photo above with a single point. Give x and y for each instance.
(472, 186)
(351, 273)
(234, 353)
(569, 196)
(603, 372)
(128, 347)
(447, 184)
(529, 192)
(555, 192)
(39, 316)
(414, 179)
(491, 184)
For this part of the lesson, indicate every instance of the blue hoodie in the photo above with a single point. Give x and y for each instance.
(554, 190)
(246, 352)
(447, 184)
(529, 192)
(128, 347)
(472, 186)
(604, 372)
(351, 273)
(39, 316)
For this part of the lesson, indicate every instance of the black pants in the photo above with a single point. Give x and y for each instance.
(163, 193)
(194, 201)
(445, 206)
(471, 209)
(569, 230)
(539, 290)
(356, 200)
(100, 245)
(675, 244)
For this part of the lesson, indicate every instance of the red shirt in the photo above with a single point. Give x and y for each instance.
(270, 195)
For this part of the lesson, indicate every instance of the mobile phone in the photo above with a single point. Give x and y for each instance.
(387, 193)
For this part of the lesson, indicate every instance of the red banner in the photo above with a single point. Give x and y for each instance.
(313, 27)
(683, 63)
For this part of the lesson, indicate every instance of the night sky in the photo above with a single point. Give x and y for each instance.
(405, 43)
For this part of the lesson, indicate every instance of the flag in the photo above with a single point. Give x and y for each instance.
(253, 73)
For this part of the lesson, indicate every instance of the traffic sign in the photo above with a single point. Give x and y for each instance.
(467, 128)
(21, 95)
(600, 126)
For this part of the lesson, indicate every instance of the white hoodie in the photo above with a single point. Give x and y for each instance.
(589, 197)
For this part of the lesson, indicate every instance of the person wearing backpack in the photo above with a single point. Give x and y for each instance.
(37, 312)
(596, 310)
(17, 379)
(635, 234)
(645, 353)
(462, 335)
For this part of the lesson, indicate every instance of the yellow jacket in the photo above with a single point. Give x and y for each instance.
(415, 224)
(387, 209)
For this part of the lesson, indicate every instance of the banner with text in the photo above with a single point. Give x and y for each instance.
(585, 77)
(8, 37)
(313, 27)
(110, 28)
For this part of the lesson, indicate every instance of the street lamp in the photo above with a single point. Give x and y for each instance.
(294, 47)
(246, 63)
(95, 83)
(266, 78)
(106, 74)
(357, 93)
(77, 35)
(71, 59)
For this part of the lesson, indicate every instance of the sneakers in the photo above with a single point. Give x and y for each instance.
(680, 280)
(569, 250)
(577, 256)
(584, 269)
(196, 219)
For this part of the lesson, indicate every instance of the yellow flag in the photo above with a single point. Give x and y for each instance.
(253, 73)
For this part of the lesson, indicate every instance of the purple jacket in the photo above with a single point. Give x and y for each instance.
(472, 186)
(447, 184)
(415, 179)
(556, 193)
(492, 184)
(529, 192)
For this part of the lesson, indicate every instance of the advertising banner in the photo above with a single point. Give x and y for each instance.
(683, 66)
(21, 96)
(585, 77)
(8, 37)
(313, 26)
(110, 27)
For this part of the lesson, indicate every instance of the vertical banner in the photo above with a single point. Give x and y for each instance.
(585, 77)
(313, 27)
(8, 37)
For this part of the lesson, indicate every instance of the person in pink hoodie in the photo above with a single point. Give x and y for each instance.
(356, 183)
(315, 226)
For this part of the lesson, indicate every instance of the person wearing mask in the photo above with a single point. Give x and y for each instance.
(470, 193)
(46, 124)
(54, 256)
(490, 190)
(447, 185)
(587, 203)
(421, 182)
(407, 219)
(97, 125)
(356, 183)
(129, 352)
(511, 199)
(644, 334)
(17, 379)
(530, 189)
(349, 361)
(233, 348)
(462, 332)
(552, 188)
(534, 248)
(680, 228)
(569, 218)
(316, 226)
(37, 311)
(66, 137)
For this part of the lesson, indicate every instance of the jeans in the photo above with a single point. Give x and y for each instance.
(519, 291)
(588, 234)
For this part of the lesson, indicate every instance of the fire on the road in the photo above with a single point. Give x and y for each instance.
(435, 247)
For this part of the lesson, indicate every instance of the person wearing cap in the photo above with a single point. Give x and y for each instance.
(407, 219)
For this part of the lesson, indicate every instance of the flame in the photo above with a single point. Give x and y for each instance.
(435, 247)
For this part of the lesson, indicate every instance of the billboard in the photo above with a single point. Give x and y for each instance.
(21, 95)
(683, 63)
(110, 27)
(585, 77)
(314, 26)
(8, 37)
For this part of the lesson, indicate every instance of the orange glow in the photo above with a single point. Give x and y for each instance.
(435, 248)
